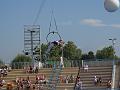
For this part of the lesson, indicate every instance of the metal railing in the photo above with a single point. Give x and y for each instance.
(67, 63)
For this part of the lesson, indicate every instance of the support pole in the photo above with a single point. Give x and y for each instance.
(31, 33)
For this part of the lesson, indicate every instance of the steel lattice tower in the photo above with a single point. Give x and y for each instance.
(31, 40)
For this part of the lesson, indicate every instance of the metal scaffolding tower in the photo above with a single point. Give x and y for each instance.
(32, 40)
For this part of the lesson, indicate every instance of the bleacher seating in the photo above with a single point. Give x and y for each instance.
(87, 78)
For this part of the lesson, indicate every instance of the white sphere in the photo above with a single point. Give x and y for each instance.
(111, 5)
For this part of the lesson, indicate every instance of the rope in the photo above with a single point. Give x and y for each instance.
(39, 11)
(53, 18)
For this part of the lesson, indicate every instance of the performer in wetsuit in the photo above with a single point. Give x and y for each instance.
(54, 43)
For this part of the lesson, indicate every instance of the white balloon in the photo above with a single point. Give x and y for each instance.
(111, 5)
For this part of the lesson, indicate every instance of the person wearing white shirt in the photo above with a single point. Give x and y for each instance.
(85, 68)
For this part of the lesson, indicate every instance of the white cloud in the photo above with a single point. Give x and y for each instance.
(93, 22)
(115, 25)
(98, 23)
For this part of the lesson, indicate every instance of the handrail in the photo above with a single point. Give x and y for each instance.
(52, 76)
(57, 76)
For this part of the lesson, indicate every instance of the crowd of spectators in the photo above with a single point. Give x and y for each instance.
(30, 69)
(23, 83)
(40, 79)
(97, 80)
(67, 79)
(4, 71)
(31, 84)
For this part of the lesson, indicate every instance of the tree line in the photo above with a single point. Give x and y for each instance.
(70, 52)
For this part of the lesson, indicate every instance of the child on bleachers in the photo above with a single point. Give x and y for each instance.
(78, 85)
(95, 80)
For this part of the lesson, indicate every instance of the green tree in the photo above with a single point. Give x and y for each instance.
(78, 54)
(105, 53)
(71, 51)
(84, 56)
(43, 49)
(22, 58)
(54, 53)
(91, 55)
(18, 61)
(88, 56)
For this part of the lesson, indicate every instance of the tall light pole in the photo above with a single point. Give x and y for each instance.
(113, 44)
(114, 66)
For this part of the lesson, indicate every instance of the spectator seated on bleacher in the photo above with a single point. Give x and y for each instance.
(2, 82)
(25, 69)
(85, 68)
(36, 79)
(33, 87)
(42, 79)
(62, 78)
(19, 82)
(23, 84)
(71, 79)
(26, 84)
(3, 72)
(31, 69)
(9, 86)
(36, 69)
(100, 81)
(9, 68)
(28, 69)
(67, 79)
(95, 80)
(109, 83)
(78, 85)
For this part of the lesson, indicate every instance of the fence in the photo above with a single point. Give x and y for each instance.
(100, 62)
(67, 63)
(49, 64)
(20, 65)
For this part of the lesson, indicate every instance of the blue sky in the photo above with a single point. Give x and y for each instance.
(84, 22)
